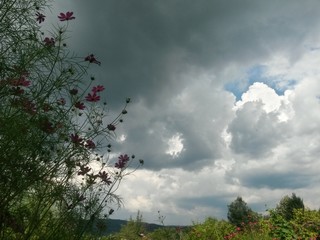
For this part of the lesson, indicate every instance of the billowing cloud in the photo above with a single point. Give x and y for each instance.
(260, 123)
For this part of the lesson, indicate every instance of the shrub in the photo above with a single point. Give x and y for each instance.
(280, 227)
(306, 223)
(211, 229)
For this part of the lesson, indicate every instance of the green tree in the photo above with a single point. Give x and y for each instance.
(287, 205)
(239, 213)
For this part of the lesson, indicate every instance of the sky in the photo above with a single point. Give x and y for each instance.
(225, 100)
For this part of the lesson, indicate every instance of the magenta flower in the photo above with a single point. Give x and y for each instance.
(111, 127)
(22, 81)
(66, 16)
(104, 177)
(90, 144)
(83, 170)
(92, 98)
(76, 139)
(80, 105)
(91, 58)
(98, 88)
(61, 101)
(49, 42)
(40, 17)
(122, 161)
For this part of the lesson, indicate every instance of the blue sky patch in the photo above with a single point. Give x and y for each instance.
(257, 74)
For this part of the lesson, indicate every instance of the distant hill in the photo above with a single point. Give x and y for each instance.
(114, 226)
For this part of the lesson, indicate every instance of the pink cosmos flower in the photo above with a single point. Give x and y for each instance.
(40, 17)
(61, 101)
(66, 16)
(91, 59)
(98, 88)
(92, 98)
(122, 161)
(90, 144)
(80, 105)
(76, 139)
(49, 42)
(83, 170)
(105, 177)
(22, 81)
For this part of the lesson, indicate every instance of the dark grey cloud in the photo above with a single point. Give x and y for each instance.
(196, 115)
(277, 180)
(144, 45)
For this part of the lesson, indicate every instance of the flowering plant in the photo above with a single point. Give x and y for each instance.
(53, 132)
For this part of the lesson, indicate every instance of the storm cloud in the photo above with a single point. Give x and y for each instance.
(225, 99)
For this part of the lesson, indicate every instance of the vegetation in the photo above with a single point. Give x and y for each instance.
(304, 224)
(134, 229)
(287, 205)
(239, 213)
(55, 180)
